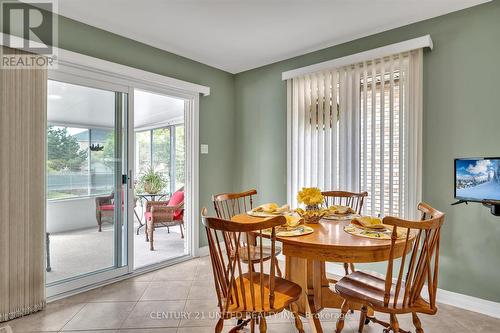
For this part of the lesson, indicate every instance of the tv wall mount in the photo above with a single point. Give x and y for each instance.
(494, 206)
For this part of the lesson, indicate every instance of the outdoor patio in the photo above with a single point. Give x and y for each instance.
(77, 252)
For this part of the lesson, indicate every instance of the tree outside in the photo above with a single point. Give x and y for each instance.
(63, 150)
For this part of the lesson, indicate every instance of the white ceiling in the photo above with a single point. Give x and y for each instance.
(237, 35)
(78, 106)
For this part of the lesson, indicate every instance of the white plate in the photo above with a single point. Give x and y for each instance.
(341, 217)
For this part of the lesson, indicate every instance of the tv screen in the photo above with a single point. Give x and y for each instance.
(477, 179)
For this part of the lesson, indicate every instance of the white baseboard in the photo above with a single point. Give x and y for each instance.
(470, 303)
(457, 300)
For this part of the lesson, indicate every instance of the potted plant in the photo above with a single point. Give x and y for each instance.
(151, 182)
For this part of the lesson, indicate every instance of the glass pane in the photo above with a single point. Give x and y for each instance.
(180, 156)
(143, 152)
(102, 160)
(67, 162)
(83, 182)
(161, 154)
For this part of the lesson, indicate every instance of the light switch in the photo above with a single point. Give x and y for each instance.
(204, 149)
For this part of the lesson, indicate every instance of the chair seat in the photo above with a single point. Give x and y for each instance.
(285, 293)
(255, 253)
(368, 287)
(176, 217)
(106, 207)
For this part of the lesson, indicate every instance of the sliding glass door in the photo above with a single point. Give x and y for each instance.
(87, 176)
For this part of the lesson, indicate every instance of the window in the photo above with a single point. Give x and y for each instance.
(180, 156)
(74, 169)
(162, 149)
(381, 139)
(161, 153)
(358, 128)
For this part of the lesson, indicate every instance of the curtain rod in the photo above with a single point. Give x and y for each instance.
(384, 51)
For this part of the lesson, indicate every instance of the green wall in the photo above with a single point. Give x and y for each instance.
(461, 118)
(244, 123)
(217, 113)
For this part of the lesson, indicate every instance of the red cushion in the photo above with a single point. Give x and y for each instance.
(176, 199)
(147, 215)
(107, 207)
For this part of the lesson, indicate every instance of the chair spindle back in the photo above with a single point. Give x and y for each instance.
(227, 205)
(344, 198)
(235, 280)
(423, 266)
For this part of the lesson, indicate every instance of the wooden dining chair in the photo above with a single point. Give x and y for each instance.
(403, 294)
(349, 199)
(242, 292)
(227, 205)
(344, 198)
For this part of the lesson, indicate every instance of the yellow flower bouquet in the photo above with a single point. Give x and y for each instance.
(310, 196)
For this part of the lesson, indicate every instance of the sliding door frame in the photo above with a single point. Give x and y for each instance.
(83, 70)
(120, 128)
(191, 134)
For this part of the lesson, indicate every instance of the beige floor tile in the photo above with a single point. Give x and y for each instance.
(472, 321)
(155, 314)
(121, 291)
(98, 331)
(202, 289)
(53, 318)
(148, 330)
(200, 313)
(146, 277)
(96, 316)
(185, 271)
(167, 290)
(281, 328)
(196, 329)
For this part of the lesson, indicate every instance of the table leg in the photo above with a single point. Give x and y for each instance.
(140, 221)
(139, 217)
(307, 274)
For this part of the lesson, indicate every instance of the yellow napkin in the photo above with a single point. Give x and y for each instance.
(272, 208)
(340, 210)
(292, 221)
(368, 222)
(266, 208)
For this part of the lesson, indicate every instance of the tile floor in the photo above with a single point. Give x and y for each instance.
(174, 300)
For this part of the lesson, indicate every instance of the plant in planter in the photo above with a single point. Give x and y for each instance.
(151, 182)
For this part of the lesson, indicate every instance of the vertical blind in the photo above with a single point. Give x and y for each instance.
(358, 128)
(23, 100)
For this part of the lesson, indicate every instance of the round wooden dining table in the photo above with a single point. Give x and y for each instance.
(306, 256)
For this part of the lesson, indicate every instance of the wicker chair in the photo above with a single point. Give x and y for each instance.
(164, 214)
(105, 209)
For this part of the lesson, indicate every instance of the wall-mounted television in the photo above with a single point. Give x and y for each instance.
(477, 179)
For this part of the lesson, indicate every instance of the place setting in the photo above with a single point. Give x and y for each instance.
(294, 223)
(371, 227)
